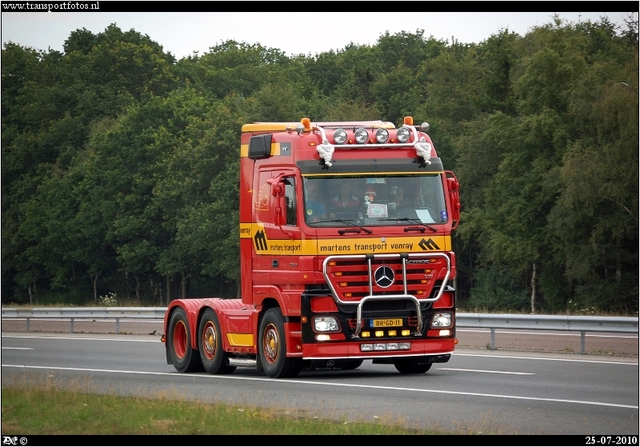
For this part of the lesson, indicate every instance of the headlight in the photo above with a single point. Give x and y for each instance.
(340, 136)
(382, 135)
(442, 320)
(361, 135)
(326, 324)
(403, 134)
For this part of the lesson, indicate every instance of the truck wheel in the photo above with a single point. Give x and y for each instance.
(411, 366)
(273, 349)
(214, 359)
(184, 358)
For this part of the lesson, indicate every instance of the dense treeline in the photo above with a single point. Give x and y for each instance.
(120, 163)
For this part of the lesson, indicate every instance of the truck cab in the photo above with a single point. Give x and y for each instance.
(345, 252)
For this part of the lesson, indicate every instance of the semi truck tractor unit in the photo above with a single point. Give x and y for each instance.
(345, 255)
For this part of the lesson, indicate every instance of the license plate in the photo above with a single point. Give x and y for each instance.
(387, 322)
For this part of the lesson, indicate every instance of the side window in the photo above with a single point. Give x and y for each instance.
(290, 200)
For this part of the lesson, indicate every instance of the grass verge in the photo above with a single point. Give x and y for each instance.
(33, 409)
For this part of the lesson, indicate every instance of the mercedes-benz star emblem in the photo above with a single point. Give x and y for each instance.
(384, 276)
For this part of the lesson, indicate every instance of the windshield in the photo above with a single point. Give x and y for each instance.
(374, 200)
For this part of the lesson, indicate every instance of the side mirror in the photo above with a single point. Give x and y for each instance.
(277, 191)
(454, 197)
(277, 187)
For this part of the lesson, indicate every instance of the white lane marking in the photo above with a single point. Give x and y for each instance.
(327, 384)
(61, 337)
(17, 349)
(487, 371)
(551, 359)
(543, 332)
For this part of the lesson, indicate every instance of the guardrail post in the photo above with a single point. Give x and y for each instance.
(493, 339)
(71, 329)
(582, 342)
(28, 322)
(117, 325)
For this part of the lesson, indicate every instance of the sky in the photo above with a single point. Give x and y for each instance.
(184, 33)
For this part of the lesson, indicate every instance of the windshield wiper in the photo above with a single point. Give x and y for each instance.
(410, 220)
(350, 223)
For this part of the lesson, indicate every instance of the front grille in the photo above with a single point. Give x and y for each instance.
(352, 279)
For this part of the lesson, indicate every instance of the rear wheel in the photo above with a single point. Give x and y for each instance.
(184, 358)
(411, 366)
(273, 349)
(213, 357)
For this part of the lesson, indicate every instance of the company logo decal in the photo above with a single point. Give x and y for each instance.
(260, 240)
(261, 200)
(384, 276)
(428, 245)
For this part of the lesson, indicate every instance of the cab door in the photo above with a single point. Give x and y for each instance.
(277, 241)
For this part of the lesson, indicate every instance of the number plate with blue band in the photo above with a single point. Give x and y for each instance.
(387, 322)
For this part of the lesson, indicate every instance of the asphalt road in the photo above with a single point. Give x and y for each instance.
(477, 391)
(607, 344)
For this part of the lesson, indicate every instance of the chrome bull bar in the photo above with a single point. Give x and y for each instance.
(404, 257)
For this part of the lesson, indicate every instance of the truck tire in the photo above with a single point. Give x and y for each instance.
(272, 347)
(411, 366)
(184, 358)
(214, 359)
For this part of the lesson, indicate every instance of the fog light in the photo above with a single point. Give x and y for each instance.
(361, 135)
(366, 347)
(404, 346)
(379, 347)
(365, 334)
(445, 333)
(382, 135)
(392, 346)
(379, 333)
(406, 332)
(403, 134)
(323, 337)
(340, 136)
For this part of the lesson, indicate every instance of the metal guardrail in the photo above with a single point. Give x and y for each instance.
(84, 313)
(583, 324)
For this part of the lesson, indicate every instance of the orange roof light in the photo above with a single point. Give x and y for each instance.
(306, 122)
(408, 120)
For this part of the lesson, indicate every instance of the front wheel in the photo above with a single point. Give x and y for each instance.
(214, 359)
(184, 358)
(272, 347)
(411, 366)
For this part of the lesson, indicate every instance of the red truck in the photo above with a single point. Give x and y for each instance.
(345, 254)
